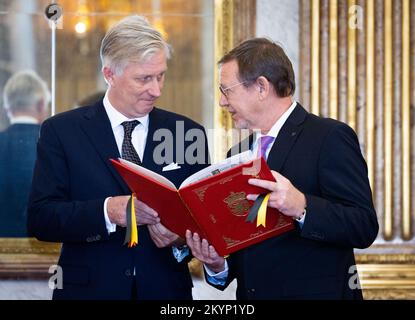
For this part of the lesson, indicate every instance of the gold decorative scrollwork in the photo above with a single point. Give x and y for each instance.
(237, 203)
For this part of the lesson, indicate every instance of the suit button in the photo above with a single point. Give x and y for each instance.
(252, 290)
(89, 239)
(127, 272)
(98, 237)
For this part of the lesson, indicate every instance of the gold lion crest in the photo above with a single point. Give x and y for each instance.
(237, 203)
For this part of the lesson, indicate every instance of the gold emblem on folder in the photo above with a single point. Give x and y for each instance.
(237, 203)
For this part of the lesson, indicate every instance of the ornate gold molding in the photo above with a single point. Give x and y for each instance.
(388, 122)
(351, 72)
(387, 281)
(385, 258)
(380, 113)
(223, 43)
(334, 52)
(387, 276)
(388, 294)
(392, 276)
(27, 257)
(406, 118)
(234, 22)
(372, 56)
(27, 246)
(315, 56)
(370, 91)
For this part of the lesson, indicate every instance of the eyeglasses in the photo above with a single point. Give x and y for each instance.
(225, 91)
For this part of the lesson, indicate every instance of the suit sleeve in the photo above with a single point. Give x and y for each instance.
(52, 215)
(343, 213)
(227, 280)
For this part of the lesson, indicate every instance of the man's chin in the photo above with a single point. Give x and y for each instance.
(146, 108)
(240, 124)
(141, 111)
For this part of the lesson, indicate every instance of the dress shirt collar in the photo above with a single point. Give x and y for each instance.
(275, 129)
(23, 120)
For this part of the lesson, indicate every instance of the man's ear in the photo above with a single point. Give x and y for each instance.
(108, 75)
(263, 86)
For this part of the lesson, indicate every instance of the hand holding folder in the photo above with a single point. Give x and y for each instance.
(211, 202)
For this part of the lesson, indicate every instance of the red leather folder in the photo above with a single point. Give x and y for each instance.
(215, 207)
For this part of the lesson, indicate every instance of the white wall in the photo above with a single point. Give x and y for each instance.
(279, 20)
(25, 290)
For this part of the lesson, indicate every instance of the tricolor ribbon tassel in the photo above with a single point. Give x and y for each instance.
(259, 210)
(131, 235)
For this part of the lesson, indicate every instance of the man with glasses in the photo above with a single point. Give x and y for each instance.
(321, 183)
(225, 91)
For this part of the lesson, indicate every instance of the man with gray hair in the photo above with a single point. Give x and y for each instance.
(25, 98)
(79, 199)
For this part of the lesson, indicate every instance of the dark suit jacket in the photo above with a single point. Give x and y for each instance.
(72, 178)
(17, 159)
(321, 158)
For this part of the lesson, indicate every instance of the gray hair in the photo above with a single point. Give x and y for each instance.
(132, 39)
(24, 90)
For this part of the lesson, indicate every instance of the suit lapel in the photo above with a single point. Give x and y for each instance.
(289, 133)
(97, 127)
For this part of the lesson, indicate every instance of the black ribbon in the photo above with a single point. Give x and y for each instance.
(128, 216)
(253, 212)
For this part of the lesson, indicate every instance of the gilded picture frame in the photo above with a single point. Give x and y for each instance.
(27, 258)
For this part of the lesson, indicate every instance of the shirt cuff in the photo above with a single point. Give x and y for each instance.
(301, 221)
(180, 253)
(111, 227)
(222, 274)
(217, 278)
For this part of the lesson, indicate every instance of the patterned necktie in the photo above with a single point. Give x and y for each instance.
(264, 142)
(127, 150)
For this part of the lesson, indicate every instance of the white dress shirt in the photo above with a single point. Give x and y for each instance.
(23, 120)
(138, 139)
(273, 132)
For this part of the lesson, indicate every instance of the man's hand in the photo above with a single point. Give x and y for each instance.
(144, 214)
(117, 206)
(205, 252)
(163, 237)
(284, 196)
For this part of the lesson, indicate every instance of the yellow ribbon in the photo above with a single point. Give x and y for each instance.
(131, 233)
(262, 212)
(259, 210)
(134, 231)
